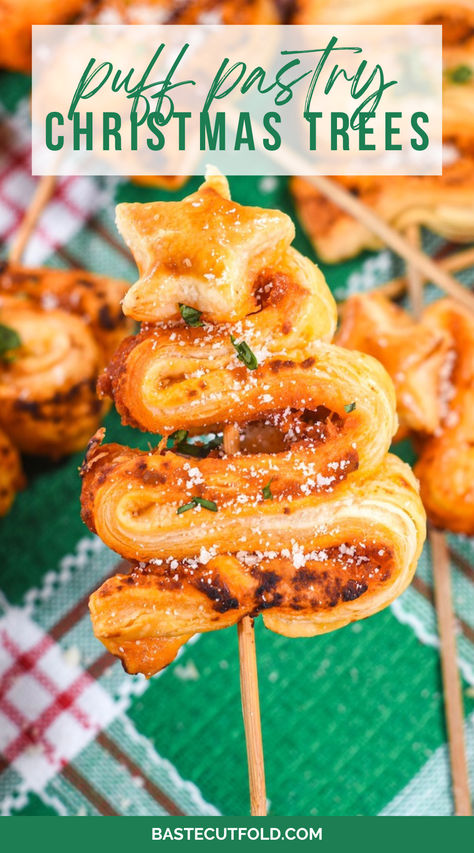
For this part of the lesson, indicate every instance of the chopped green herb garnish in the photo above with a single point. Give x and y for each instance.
(460, 74)
(191, 316)
(180, 443)
(210, 505)
(245, 354)
(185, 507)
(9, 340)
(267, 492)
(178, 436)
(349, 407)
(196, 501)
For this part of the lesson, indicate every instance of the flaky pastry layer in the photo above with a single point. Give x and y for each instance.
(327, 562)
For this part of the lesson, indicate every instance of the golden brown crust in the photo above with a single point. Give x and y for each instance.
(456, 17)
(11, 474)
(48, 403)
(355, 551)
(204, 251)
(443, 204)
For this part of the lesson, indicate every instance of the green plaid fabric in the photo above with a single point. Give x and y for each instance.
(352, 721)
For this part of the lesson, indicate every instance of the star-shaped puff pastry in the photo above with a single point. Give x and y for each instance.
(204, 239)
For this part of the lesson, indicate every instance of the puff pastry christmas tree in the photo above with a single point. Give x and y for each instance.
(311, 522)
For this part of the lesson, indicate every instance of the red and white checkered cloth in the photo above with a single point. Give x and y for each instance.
(50, 708)
(75, 199)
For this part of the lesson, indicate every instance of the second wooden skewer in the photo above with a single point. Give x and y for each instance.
(392, 238)
(445, 615)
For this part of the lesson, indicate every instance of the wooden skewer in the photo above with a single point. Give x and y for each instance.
(453, 263)
(453, 703)
(445, 615)
(249, 684)
(44, 191)
(392, 238)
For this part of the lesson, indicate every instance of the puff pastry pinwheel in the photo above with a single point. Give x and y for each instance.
(432, 365)
(66, 324)
(311, 523)
(443, 204)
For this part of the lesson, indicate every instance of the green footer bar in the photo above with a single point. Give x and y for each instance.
(331, 835)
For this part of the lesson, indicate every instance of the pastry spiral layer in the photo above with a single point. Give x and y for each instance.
(308, 566)
(310, 522)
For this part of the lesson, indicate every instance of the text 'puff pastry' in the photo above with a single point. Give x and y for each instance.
(310, 522)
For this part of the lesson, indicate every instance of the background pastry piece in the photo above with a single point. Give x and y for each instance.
(96, 299)
(187, 11)
(432, 364)
(414, 355)
(446, 463)
(16, 19)
(11, 475)
(443, 204)
(68, 323)
(357, 550)
(48, 403)
(457, 17)
(458, 94)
